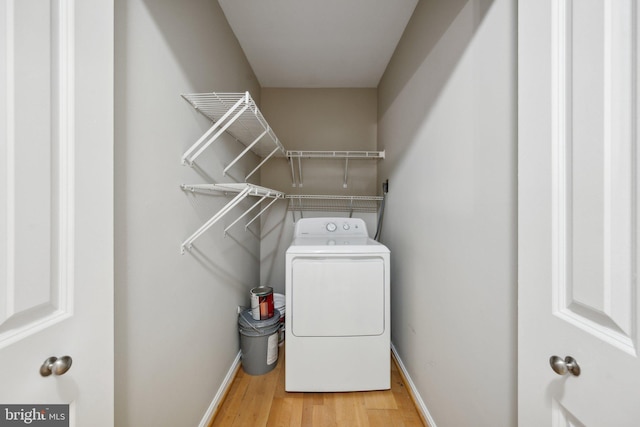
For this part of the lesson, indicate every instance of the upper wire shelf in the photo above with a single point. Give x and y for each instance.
(335, 154)
(238, 115)
(297, 181)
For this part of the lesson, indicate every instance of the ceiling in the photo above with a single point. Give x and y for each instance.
(318, 43)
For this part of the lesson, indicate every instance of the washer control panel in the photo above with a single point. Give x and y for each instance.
(312, 227)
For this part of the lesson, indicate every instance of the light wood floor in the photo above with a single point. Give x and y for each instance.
(256, 401)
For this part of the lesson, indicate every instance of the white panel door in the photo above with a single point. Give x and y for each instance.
(578, 213)
(56, 205)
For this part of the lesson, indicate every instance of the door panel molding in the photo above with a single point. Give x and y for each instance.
(595, 238)
(562, 417)
(36, 223)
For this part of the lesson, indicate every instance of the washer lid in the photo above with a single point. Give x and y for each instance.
(336, 244)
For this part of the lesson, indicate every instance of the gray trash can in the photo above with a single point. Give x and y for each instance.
(258, 342)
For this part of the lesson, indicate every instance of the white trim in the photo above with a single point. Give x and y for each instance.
(9, 291)
(217, 400)
(416, 395)
(67, 146)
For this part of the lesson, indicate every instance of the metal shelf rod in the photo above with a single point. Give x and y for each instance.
(336, 154)
(209, 132)
(188, 243)
(244, 214)
(331, 197)
(275, 150)
(346, 172)
(249, 147)
(213, 138)
(293, 174)
(255, 190)
(260, 213)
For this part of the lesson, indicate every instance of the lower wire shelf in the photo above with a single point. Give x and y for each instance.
(243, 191)
(330, 203)
(297, 203)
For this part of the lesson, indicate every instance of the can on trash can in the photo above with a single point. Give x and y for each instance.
(258, 342)
(262, 302)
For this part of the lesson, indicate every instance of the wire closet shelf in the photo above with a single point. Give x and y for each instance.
(297, 181)
(238, 115)
(329, 203)
(242, 190)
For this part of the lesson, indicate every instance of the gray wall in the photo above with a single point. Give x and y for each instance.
(315, 119)
(322, 119)
(447, 119)
(176, 330)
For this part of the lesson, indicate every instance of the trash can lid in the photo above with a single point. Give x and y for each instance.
(246, 320)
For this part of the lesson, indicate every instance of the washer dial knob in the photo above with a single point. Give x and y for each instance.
(331, 227)
(345, 226)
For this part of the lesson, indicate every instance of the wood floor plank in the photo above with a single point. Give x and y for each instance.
(285, 412)
(307, 409)
(232, 404)
(323, 416)
(350, 409)
(383, 418)
(380, 400)
(259, 401)
(280, 392)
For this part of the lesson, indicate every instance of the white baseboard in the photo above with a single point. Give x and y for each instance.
(416, 395)
(217, 400)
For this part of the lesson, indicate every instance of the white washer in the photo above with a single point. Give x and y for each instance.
(337, 300)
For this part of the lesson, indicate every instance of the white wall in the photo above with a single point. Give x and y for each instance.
(176, 324)
(447, 120)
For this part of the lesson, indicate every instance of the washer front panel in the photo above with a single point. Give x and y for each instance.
(338, 314)
(337, 296)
